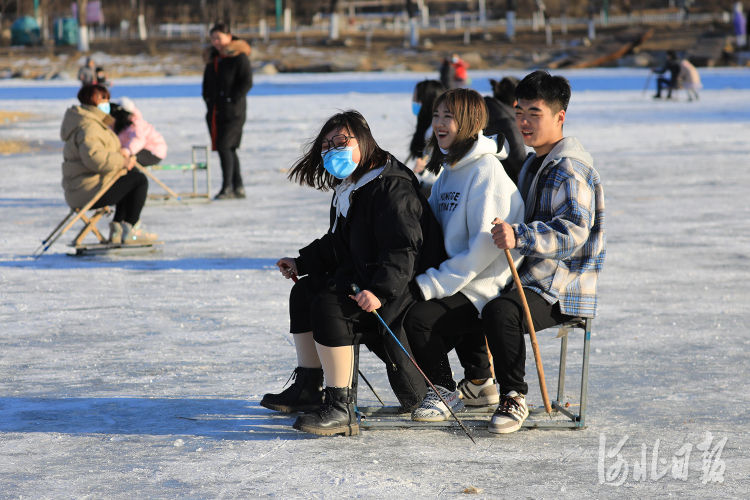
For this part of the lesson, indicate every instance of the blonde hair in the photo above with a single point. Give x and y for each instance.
(470, 112)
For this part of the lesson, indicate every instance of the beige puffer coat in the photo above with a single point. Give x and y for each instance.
(91, 152)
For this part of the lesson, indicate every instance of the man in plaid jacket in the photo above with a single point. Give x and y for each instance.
(562, 240)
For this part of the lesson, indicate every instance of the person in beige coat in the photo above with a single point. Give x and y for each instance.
(91, 155)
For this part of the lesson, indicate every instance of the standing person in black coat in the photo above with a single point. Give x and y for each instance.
(503, 121)
(382, 234)
(227, 79)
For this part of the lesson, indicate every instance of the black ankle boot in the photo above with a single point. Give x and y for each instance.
(338, 415)
(305, 394)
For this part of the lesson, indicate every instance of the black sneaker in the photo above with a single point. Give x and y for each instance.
(225, 194)
(239, 192)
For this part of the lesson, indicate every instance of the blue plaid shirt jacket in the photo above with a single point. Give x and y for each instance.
(562, 237)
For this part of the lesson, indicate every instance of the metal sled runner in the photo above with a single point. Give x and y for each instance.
(194, 166)
(389, 417)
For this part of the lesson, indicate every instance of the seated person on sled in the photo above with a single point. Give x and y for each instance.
(562, 240)
(92, 154)
(137, 136)
(472, 189)
(382, 234)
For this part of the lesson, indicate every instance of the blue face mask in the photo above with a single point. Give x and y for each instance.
(415, 107)
(104, 106)
(339, 163)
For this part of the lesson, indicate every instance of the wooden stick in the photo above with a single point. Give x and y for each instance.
(156, 180)
(108, 182)
(532, 333)
(105, 187)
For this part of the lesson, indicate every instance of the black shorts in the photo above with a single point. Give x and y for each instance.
(334, 318)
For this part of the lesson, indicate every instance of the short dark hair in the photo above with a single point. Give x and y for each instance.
(553, 90)
(221, 27)
(504, 90)
(87, 93)
(309, 170)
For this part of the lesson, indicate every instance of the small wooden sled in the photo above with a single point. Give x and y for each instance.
(102, 247)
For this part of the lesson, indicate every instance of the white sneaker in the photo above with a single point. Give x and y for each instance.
(479, 395)
(433, 410)
(510, 414)
(136, 235)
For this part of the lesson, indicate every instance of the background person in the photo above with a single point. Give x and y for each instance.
(425, 93)
(502, 120)
(739, 22)
(227, 79)
(460, 72)
(91, 154)
(690, 79)
(101, 77)
(137, 137)
(87, 72)
(672, 66)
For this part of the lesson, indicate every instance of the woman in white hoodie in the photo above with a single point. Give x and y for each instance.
(466, 198)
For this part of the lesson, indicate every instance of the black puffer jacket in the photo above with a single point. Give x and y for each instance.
(227, 79)
(388, 237)
(503, 121)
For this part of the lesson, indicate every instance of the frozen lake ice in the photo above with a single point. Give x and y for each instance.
(139, 377)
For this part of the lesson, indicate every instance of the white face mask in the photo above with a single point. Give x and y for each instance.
(444, 151)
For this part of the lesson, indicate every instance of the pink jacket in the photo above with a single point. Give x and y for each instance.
(142, 135)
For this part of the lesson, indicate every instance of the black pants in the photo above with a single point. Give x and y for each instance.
(431, 327)
(334, 318)
(128, 194)
(147, 158)
(435, 326)
(230, 168)
(662, 83)
(503, 321)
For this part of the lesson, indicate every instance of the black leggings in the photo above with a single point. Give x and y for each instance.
(436, 326)
(146, 158)
(334, 318)
(431, 325)
(128, 194)
(230, 168)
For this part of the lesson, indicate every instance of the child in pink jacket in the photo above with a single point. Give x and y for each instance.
(138, 137)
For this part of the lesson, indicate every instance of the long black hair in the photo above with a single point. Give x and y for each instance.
(425, 92)
(309, 169)
(123, 119)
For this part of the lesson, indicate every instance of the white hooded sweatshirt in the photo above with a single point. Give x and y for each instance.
(466, 199)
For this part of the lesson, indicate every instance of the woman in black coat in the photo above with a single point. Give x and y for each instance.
(382, 234)
(227, 79)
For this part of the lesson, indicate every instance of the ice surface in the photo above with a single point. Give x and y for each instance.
(139, 377)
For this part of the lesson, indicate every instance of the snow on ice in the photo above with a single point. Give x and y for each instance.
(139, 377)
